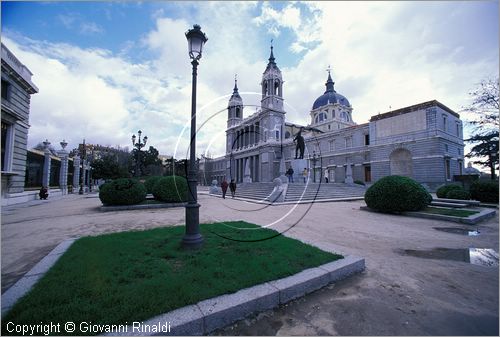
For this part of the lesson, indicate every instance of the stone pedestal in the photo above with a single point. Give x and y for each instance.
(348, 174)
(298, 166)
(76, 174)
(247, 178)
(46, 169)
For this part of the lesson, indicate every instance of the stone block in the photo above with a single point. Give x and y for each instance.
(62, 247)
(301, 283)
(18, 290)
(340, 269)
(186, 321)
(226, 309)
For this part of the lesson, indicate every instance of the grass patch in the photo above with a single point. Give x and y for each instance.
(461, 213)
(133, 276)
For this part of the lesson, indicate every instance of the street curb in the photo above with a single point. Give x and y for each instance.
(209, 315)
(21, 287)
(138, 207)
(224, 310)
(470, 220)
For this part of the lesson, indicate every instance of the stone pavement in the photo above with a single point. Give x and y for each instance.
(396, 295)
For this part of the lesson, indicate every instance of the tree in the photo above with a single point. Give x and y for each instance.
(484, 111)
(486, 147)
(108, 167)
(148, 161)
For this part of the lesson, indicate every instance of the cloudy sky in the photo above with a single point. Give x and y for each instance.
(108, 69)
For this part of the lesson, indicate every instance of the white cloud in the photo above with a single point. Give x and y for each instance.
(90, 28)
(381, 54)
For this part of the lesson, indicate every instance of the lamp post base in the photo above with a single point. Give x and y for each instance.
(192, 239)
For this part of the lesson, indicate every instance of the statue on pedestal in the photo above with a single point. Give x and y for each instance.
(300, 144)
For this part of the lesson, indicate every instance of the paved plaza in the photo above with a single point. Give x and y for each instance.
(396, 295)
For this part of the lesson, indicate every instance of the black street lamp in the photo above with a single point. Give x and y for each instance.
(193, 239)
(138, 146)
(314, 159)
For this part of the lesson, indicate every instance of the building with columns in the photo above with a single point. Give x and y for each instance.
(17, 88)
(423, 141)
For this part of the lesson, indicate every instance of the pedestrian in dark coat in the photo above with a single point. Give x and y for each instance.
(224, 186)
(232, 187)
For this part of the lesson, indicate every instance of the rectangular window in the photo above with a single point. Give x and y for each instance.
(458, 129)
(5, 90)
(277, 134)
(367, 139)
(460, 166)
(332, 145)
(447, 169)
(445, 123)
(446, 147)
(5, 129)
(348, 142)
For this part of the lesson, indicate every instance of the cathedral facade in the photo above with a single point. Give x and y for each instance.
(423, 141)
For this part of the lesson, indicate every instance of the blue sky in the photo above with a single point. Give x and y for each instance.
(107, 69)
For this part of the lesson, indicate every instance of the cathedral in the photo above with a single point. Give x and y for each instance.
(423, 141)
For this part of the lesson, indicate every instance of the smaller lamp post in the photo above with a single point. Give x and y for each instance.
(314, 159)
(138, 145)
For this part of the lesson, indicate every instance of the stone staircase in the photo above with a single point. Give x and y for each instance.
(298, 191)
(316, 191)
(255, 191)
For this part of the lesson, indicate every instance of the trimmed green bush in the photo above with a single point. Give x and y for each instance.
(484, 191)
(150, 182)
(123, 191)
(442, 191)
(394, 194)
(459, 194)
(171, 189)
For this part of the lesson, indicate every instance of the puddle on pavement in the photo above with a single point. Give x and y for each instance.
(456, 230)
(479, 256)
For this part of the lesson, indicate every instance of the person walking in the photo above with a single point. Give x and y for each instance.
(326, 175)
(232, 187)
(290, 175)
(304, 174)
(224, 186)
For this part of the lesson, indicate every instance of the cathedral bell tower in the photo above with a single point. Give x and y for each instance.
(234, 116)
(272, 114)
(272, 86)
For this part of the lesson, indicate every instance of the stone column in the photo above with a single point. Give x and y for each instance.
(76, 174)
(63, 173)
(46, 165)
(247, 178)
(348, 174)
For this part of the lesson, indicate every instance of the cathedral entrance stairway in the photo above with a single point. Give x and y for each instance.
(254, 191)
(323, 191)
(298, 191)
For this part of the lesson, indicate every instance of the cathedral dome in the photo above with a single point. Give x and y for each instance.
(330, 96)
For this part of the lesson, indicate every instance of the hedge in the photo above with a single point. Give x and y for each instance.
(394, 194)
(123, 191)
(442, 191)
(459, 194)
(484, 191)
(171, 189)
(150, 182)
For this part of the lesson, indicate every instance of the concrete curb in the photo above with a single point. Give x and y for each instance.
(211, 314)
(138, 207)
(215, 313)
(21, 287)
(470, 220)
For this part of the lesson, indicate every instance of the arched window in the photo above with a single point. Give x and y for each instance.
(238, 112)
(287, 134)
(320, 117)
(276, 87)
